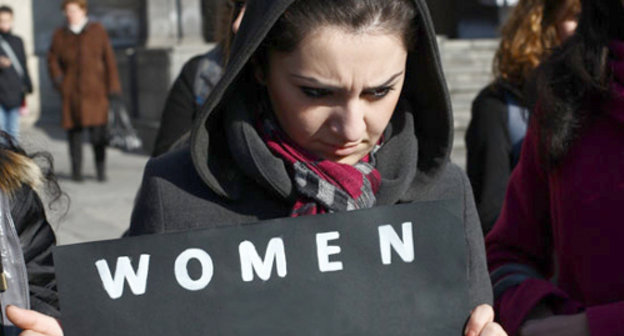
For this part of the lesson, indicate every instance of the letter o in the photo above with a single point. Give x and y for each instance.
(181, 269)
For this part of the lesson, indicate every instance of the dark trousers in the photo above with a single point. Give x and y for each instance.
(97, 136)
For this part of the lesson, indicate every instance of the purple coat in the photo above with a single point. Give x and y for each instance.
(574, 213)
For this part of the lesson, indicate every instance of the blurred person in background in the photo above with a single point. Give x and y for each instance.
(21, 178)
(197, 79)
(501, 111)
(14, 77)
(565, 196)
(82, 67)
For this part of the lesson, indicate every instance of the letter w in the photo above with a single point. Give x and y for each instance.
(250, 260)
(114, 285)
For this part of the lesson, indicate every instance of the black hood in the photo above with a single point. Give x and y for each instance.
(224, 126)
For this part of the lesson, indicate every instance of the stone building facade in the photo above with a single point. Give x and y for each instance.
(154, 38)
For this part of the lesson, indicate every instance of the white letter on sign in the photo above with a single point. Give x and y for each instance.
(250, 260)
(181, 269)
(323, 251)
(405, 247)
(114, 285)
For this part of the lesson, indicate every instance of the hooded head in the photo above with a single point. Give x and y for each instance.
(337, 75)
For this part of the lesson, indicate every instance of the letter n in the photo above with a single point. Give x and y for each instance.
(388, 240)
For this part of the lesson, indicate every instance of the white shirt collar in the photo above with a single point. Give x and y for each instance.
(77, 29)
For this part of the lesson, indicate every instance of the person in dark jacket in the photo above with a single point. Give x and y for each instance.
(501, 111)
(15, 80)
(562, 212)
(20, 178)
(82, 66)
(196, 80)
(317, 90)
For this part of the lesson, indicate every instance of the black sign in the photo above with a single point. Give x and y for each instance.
(398, 270)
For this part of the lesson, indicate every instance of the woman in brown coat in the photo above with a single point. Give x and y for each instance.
(82, 66)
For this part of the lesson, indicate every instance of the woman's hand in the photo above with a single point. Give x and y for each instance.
(33, 323)
(569, 325)
(481, 323)
(5, 62)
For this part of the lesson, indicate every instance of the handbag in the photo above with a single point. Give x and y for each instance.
(121, 133)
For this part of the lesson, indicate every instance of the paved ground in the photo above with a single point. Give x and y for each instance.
(97, 211)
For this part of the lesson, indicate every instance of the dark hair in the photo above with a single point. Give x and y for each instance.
(45, 162)
(6, 9)
(305, 16)
(575, 75)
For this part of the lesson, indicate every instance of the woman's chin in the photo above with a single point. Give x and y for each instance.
(351, 159)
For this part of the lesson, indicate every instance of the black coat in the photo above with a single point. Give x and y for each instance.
(198, 77)
(227, 175)
(37, 239)
(12, 86)
(491, 156)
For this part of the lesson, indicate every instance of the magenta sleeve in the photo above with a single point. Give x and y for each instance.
(606, 320)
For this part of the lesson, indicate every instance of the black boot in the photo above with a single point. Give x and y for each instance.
(100, 168)
(75, 153)
(100, 162)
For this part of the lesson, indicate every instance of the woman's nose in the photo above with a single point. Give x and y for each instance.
(348, 122)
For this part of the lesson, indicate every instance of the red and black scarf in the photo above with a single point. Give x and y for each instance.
(323, 186)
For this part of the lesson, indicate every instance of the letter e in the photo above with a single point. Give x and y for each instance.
(324, 250)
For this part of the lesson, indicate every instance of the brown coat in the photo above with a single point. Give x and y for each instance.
(83, 68)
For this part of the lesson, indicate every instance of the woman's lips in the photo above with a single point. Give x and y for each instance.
(343, 150)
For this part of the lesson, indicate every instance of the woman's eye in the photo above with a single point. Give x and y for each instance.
(315, 93)
(379, 93)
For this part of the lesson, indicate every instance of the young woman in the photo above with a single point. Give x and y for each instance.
(82, 66)
(197, 79)
(20, 177)
(344, 94)
(500, 112)
(565, 196)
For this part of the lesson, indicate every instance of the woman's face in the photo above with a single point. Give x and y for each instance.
(240, 6)
(566, 28)
(75, 14)
(567, 22)
(334, 95)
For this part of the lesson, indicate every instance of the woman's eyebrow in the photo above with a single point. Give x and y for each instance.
(315, 81)
(333, 87)
(386, 83)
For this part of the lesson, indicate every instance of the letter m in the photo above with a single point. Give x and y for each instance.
(251, 261)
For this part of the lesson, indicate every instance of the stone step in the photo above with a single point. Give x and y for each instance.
(458, 156)
(463, 98)
(481, 76)
(462, 111)
(475, 44)
(458, 64)
(466, 87)
(469, 55)
(467, 66)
